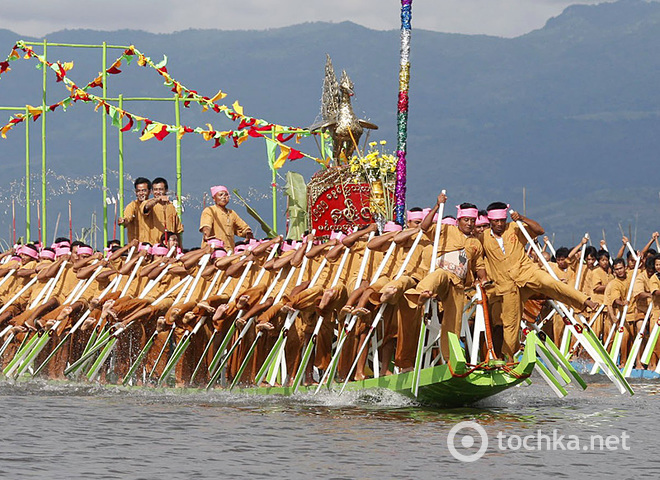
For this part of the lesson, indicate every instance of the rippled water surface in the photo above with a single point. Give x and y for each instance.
(83, 431)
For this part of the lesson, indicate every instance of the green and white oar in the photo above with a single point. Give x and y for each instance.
(650, 345)
(582, 332)
(381, 310)
(637, 344)
(349, 323)
(566, 337)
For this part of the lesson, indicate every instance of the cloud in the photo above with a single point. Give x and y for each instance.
(507, 18)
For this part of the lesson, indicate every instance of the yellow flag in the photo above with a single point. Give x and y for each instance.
(237, 108)
(282, 158)
(218, 96)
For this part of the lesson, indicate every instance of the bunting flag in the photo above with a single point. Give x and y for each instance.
(148, 129)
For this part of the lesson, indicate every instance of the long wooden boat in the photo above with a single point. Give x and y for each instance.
(454, 384)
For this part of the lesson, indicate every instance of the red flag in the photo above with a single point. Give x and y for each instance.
(295, 155)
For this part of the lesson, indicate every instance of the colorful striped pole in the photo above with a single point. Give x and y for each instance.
(402, 112)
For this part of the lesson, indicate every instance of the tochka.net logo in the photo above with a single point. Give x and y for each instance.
(468, 442)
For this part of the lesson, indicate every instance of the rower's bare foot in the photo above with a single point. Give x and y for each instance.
(205, 306)
(359, 377)
(639, 366)
(347, 309)
(265, 326)
(406, 370)
(240, 322)
(287, 309)
(107, 310)
(161, 324)
(87, 324)
(220, 311)
(188, 318)
(49, 324)
(388, 293)
(360, 311)
(327, 298)
(589, 303)
(387, 372)
(94, 303)
(242, 302)
(175, 314)
(65, 312)
(424, 296)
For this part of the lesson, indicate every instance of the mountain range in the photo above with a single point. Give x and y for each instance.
(570, 113)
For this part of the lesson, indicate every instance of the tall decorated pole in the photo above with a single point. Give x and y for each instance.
(402, 112)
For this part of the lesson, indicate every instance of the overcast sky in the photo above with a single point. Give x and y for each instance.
(508, 18)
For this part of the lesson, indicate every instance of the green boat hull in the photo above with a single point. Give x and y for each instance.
(443, 385)
(451, 385)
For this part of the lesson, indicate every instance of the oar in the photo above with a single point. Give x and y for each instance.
(75, 328)
(618, 336)
(152, 339)
(245, 329)
(632, 354)
(349, 323)
(7, 276)
(312, 341)
(584, 335)
(650, 345)
(25, 348)
(20, 292)
(185, 340)
(278, 297)
(379, 314)
(280, 359)
(214, 370)
(566, 337)
(428, 305)
(275, 351)
(232, 328)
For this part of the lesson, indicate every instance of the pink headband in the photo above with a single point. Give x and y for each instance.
(25, 250)
(253, 242)
(161, 251)
(481, 220)
(85, 251)
(337, 235)
(215, 243)
(498, 214)
(47, 254)
(64, 243)
(240, 248)
(219, 253)
(59, 251)
(448, 221)
(143, 246)
(392, 227)
(287, 247)
(415, 215)
(466, 212)
(218, 189)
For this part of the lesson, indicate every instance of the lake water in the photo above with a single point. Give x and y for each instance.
(83, 431)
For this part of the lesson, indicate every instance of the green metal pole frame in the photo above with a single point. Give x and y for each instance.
(27, 179)
(104, 137)
(179, 179)
(43, 151)
(121, 174)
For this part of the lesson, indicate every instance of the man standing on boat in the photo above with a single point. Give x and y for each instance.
(218, 221)
(160, 214)
(133, 219)
(512, 269)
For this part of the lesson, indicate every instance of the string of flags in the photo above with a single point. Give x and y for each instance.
(248, 127)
